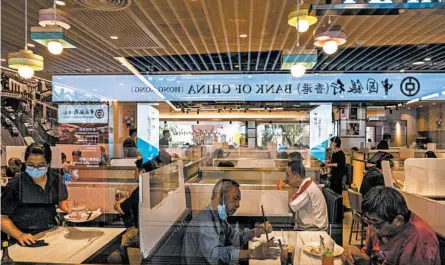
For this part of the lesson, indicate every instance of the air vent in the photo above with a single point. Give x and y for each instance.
(105, 5)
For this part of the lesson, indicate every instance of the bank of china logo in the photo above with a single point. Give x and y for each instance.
(410, 86)
(99, 114)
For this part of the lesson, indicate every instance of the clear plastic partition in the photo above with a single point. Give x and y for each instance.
(163, 181)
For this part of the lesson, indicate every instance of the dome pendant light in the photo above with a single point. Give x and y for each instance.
(329, 38)
(298, 70)
(25, 61)
(300, 18)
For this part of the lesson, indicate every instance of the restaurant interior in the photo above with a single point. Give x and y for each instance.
(237, 86)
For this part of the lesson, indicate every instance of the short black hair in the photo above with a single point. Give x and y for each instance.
(282, 155)
(297, 168)
(430, 154)
(369, 140)
(337, 141)
(386, 136)
(14, 161)
(226, 164)
(63, 156)
(77, 153)
(296, 156)
(132, 130)
(223, 186)
(39, 149)
(355, 149)
(165, 131)
(147, 166)
(386, 202)
(385, 157)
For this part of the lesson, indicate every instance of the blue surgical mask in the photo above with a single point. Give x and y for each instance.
(222, 213)
(36, 172)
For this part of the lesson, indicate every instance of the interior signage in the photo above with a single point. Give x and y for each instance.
(255, 87)
(82, 113)
(148, 131)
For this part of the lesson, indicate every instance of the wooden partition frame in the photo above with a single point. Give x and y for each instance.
(155, 222)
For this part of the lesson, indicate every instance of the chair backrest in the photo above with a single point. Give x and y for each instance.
(355, 199)
(334, 203)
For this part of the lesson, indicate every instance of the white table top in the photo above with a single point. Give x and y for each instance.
(296, 239)
(66, 245)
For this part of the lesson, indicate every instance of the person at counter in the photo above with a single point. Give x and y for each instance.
(384, 143)
(209, 238)
(14, 167)
(130, 149)
(395, 235)
(29, 200)
(165, 140)
(77, 157)
(308, 203)
(374, 175)
(337, 165)
(430, 154)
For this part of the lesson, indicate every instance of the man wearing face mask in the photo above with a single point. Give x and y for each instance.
(395, 235)
(209, 239)
(308, 203)
(29, 200)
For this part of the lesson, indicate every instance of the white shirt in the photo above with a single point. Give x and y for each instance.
(309, 206)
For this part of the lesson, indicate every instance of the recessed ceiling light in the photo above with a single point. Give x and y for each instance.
(60, 2)
(419, 63)
(114, 37)
(88, 70)
(402, 71)
(236, 66)
(30, 45)
(243, 35)
(427, 59)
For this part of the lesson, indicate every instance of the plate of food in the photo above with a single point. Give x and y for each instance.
(82, 216)
(314, 248)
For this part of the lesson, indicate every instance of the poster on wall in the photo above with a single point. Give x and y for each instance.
(28, 114)
(352, 128)
(320, 130)
(147, 131)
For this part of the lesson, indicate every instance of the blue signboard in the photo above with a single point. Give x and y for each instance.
(255, 87)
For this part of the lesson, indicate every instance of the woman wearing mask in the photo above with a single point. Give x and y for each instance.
(29, 200)
(337, 165)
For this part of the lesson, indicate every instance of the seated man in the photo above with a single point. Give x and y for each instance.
(128, 207)
(308, 203)
(209, 238)
(374, 175)
(395, 235)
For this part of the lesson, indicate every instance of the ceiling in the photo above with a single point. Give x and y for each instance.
(204, 35)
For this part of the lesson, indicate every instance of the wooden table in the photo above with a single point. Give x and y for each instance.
(296, 239)
(73, 245)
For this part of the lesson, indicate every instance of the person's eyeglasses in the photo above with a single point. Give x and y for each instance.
(39, 167)
(377, 224)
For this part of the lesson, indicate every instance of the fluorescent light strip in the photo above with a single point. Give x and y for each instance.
(144, 80)
(413, 101)
(435, 95)
(443, 92)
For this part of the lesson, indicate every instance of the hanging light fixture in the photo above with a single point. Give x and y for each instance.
(51, 35)
(300, 18)
(329, 37)
(25, 61)
(53, 17)
(298, 70)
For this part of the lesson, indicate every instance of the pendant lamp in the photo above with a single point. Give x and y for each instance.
(329, 37)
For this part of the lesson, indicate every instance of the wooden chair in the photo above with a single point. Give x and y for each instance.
(355, 199)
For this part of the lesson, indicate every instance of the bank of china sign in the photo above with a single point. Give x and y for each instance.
(82, 113)
(260, 87)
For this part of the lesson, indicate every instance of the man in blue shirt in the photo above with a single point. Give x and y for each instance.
(209, 239)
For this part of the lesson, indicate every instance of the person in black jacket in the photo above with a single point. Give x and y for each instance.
(130, 148)
(374, 176)
(384, 143)
(337, 165)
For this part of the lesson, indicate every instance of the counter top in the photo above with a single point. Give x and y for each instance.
(67, 245)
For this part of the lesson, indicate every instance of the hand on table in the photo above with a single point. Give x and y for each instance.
(353, 255)
(27, 239)
(265, 251)
(259, 230)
